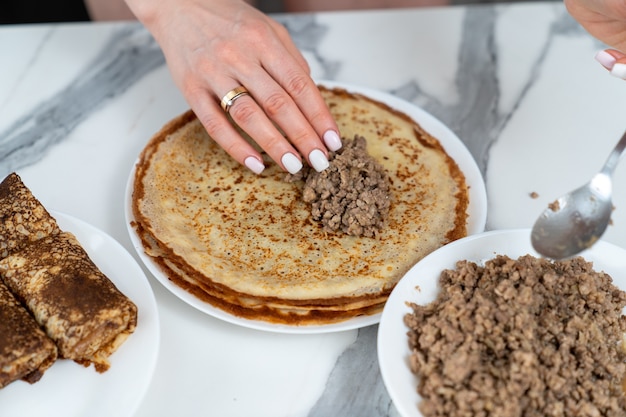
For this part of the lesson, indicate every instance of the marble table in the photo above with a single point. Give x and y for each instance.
(516, 82)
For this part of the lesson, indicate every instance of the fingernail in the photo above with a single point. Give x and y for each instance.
(607, 60)
(318, 160)
(619, 71)
(332, 140)
(254, 164)
(291, 163)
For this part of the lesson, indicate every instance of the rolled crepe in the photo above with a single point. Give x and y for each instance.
(25, 350)
(77, 305)
(23, 219)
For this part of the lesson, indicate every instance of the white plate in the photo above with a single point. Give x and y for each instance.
(68, 389)
(477, 215)
(420, 285)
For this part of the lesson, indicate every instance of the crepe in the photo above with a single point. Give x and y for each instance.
(246, 243)
(23, 218)
(77, 305)
(25, 350)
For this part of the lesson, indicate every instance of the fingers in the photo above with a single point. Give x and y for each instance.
(252, 119)
(291, 120)
(247, 114)
(284, 114)
(211, 51)
(308, 126)
(303, 91)
(614, 61)
(217, 125)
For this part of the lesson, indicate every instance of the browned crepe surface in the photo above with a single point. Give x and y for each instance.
(25, 350)
(246, 243)
(77, 305)
(23, 218)
(48, 271)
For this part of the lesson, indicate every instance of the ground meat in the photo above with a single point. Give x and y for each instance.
(526, 337)
(352, 195)
(555, 205)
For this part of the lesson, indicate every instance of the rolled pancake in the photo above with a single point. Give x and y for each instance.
(23, 218)
(77, 305)
(25, 350)
(246, 243)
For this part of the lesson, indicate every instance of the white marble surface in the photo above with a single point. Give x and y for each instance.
(517, 83)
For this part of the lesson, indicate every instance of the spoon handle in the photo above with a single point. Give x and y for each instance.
(614, 157)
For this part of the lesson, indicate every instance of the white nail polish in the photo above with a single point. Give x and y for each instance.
(332, 140)
(291, 163)
(619, 71)
(607, 60)
(318, 160)
(254, 164)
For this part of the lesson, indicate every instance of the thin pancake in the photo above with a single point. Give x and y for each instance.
(23, 218)
(77, 305)
(25, 350)
(248, 241)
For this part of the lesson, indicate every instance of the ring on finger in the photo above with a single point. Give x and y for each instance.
(229, 98)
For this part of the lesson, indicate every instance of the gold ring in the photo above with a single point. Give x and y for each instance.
(229, 99)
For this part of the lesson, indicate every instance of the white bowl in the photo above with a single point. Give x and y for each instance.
(420, 285)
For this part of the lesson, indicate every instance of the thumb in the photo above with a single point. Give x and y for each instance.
(614, 61)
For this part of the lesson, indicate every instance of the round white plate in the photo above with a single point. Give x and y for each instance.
(71, 390)
(420, 285)
(477, 216)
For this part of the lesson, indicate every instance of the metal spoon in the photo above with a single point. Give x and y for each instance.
(577, 220)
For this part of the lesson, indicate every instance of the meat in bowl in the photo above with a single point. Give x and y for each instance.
(520, 337)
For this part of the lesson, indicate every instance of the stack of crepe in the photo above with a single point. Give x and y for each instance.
(246, 243)
(54, 301)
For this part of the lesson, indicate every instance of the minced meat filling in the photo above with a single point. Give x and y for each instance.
(526, 337)
(352, 195)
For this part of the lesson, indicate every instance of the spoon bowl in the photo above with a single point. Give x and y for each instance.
(577, 220)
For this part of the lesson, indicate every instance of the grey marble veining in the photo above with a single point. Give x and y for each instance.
(307, 34)
(355, 387)
(130, 54)
(475, 117)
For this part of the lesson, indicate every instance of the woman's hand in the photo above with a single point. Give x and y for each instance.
(614, 61)
(605, 20)
(215, 46)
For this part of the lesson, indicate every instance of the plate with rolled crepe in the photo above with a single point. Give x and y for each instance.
(79, 330)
